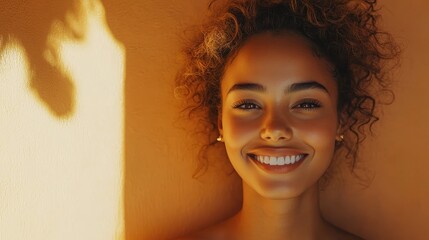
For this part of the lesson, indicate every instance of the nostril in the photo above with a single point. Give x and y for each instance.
(276, 134)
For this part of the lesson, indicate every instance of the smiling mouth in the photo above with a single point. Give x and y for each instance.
(277, 160)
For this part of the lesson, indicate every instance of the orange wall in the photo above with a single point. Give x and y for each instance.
(158, 196)
(163, 200)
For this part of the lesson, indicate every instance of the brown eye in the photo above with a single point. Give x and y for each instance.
(246, 105)
(308, 105)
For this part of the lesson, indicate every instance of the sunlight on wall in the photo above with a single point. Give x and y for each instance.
(62, 178)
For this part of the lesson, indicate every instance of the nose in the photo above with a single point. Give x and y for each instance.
(275, 128)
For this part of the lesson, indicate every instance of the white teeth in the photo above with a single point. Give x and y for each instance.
(267, 160)
(281, 161)
(273, 161)
(287, 160)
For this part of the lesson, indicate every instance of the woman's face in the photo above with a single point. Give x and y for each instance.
(279, 114)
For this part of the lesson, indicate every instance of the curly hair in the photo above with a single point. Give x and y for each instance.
(344, 32)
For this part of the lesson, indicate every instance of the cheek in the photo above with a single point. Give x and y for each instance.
(319, 134)
(237, 130)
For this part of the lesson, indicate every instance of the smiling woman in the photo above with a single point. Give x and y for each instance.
(286, 84)
(287, 116)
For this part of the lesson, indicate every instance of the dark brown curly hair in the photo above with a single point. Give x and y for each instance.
(345, 32)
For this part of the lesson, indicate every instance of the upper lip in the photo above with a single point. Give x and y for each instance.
(275, 151)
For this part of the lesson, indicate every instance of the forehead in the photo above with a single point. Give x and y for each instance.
(270, 58)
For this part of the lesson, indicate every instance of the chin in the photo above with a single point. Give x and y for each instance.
(279, 190)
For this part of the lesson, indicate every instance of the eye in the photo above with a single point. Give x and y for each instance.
(246, 105)
(308, 104)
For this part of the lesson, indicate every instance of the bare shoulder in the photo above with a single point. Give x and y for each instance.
(344, 235)
(210, 235)
(192, 236)
(197, 236)
(217, 231)
(349, 236)
(189, 238)
(333, 232)
(352, 237)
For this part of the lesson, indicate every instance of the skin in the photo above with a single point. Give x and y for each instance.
(278, 99)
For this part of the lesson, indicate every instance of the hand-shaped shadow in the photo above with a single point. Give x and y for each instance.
(30, 23)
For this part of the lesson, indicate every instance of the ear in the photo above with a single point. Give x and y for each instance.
(219, 120)
(340, 128)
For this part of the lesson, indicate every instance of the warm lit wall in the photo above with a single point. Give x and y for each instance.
(161, 197)
(163, 200)
(62, 72)
(395, 204)
(61, 122)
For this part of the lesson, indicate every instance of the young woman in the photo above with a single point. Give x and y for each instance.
(286, 84)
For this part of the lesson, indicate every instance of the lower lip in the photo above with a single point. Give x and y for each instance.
(279, 169)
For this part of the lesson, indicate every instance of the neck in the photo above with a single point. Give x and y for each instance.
(294, 218)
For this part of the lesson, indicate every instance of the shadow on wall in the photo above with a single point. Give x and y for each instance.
(36, 33)
(63, 132)
(61, 121)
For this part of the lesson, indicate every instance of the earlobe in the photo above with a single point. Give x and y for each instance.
(219, 123)
(220, 128)
(340, 136)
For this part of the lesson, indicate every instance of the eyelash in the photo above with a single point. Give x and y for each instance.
(308, 105)
(246, 105)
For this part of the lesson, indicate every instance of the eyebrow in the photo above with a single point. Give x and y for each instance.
(306, 85)
(247, 86)
(292, 88)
